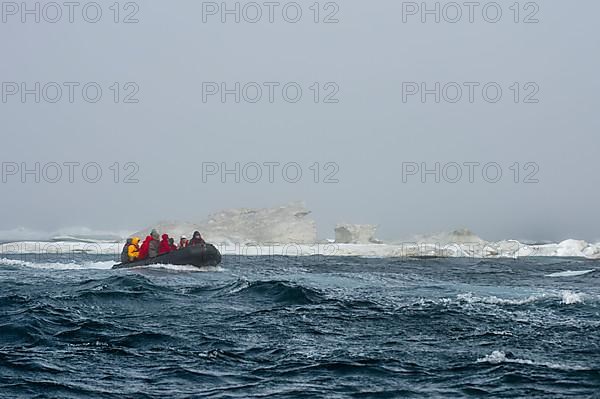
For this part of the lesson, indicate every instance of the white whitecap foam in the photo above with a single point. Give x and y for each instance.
(494, 300)
(566, 297)
(571, 273)
(570, 297)
(498, 357)
(12, 262)
(102, 266)
(179, 268)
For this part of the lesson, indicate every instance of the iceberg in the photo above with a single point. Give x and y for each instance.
(281, 225)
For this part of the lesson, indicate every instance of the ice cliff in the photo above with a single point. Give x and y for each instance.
(356, 234)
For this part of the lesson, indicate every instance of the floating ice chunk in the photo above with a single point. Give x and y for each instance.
(496, 357)
(570, 273)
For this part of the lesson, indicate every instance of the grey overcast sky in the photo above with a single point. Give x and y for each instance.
(546, 126)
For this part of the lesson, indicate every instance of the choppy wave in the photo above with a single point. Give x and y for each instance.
(324, 327)
(281, 292)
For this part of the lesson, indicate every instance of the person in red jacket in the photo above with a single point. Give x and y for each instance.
(144, 248)
(164, 247)
(172, 244)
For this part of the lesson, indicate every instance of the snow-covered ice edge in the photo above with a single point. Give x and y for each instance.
(479, 249)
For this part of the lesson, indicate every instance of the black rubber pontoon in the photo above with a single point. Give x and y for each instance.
(197, 255)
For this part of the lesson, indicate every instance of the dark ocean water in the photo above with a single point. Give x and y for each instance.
(301, 327)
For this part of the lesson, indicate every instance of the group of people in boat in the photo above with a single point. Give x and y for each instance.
(153, 246)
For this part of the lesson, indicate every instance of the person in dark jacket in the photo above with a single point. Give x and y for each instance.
(197, 239)
(154, 244)
(164, 247)
(125, 251)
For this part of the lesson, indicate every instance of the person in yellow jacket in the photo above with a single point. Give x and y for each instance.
(133, 250)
